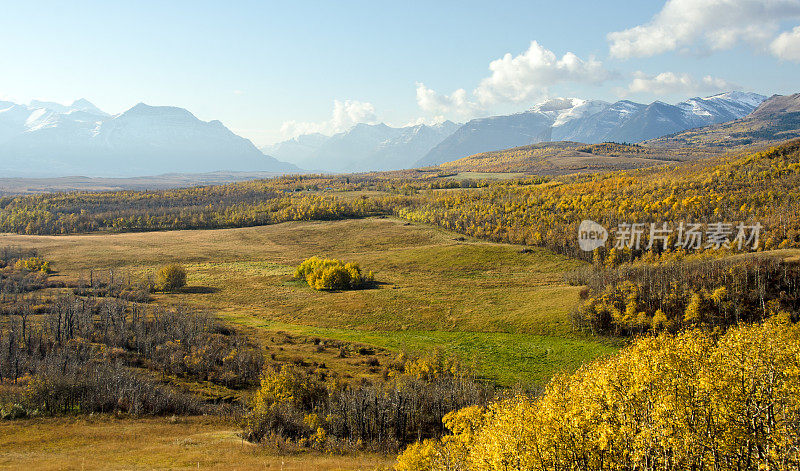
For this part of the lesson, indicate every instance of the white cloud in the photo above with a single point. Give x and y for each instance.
(787, 45)
(238, 92)
(527, 76)
(456, 103)
(705, 24)
(345, 115)
(515, 79)
(667, 83)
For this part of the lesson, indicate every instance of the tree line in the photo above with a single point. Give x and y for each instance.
(759, 187)
(675, 293)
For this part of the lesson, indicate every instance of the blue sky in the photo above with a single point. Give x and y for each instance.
(269, 70)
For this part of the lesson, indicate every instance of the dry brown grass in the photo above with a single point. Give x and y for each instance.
(105, 443)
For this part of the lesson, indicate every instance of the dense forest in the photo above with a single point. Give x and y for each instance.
(676, 293)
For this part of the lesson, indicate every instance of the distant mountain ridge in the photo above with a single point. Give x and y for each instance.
(364, 147)
(50, 139)
(776, 119)
(45, 139)
(589, 121)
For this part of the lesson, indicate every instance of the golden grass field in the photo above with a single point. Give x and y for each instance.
(479, 299)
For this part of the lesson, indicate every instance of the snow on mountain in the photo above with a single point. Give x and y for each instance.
(590, 121)
(49, 139)
(720, 108)
(492, 133)
(45, 138)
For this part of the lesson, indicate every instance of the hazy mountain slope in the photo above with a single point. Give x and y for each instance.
(364, 147)
(493, 133)
(654, 120)
(776, 119)
(296, 150)
(403, 151)
(48, 139)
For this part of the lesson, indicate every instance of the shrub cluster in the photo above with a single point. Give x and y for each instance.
(89, 355)
(331, 274)
(171, 277)
(295, 406)
(22, 271)
(33, 264)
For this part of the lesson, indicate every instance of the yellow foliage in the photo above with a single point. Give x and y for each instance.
(332, 274)
(33, 264)
(691, 401)
(171, 277)
(417, 457)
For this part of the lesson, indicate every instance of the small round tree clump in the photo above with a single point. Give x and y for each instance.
(332, 275)
(171, 277)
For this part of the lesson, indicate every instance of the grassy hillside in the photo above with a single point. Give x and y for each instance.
(447, 255)
(479, 299)
(562, 158)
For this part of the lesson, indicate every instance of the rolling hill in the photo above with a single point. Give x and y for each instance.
(562, 158)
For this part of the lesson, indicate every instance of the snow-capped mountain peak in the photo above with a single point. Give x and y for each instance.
(78, 105)
(46, 138)
(747, 98)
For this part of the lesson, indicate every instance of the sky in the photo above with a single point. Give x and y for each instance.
(273, 70)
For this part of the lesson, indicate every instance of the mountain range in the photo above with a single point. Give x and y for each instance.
(364, 147)
(589, 121)
(50, 139)
(775, 120)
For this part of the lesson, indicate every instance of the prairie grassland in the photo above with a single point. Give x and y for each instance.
(105, 442)
(479, 299)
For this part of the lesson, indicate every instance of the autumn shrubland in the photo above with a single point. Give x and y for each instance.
(488, 340)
